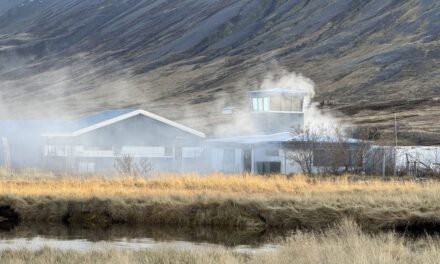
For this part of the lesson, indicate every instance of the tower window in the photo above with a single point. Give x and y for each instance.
(261, 104)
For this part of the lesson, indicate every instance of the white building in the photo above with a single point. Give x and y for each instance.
(92, 144)
(272, 115)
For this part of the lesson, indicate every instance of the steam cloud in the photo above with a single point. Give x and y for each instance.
(313, 116)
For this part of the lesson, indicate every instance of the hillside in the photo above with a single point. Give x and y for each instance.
(186, 59)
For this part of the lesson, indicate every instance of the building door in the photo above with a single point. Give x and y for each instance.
(268, 167)
(247, 160)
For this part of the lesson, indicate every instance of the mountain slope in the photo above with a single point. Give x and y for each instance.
(185, 59)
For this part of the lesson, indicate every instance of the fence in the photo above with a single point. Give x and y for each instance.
(404, 160)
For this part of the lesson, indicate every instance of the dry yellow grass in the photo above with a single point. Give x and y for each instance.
(214, 184)
(223, 200)
(344, 244)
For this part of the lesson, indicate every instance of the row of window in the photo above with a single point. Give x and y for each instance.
(260, 104)
(277, 103)
(229, 155)
(152, 152)
(149, 151)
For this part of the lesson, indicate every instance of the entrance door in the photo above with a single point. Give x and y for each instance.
(268, 167)
(247, 160)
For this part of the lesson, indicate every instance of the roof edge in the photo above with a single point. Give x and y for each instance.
(279, 91)
(124, 117)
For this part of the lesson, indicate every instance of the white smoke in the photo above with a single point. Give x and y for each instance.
(289, 80)
(313, 116)
(241, 122)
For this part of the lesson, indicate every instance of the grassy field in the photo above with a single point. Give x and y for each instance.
(219, 200)
(343, 244)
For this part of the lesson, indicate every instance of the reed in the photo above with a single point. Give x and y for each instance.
(224, 200)
(343, 244)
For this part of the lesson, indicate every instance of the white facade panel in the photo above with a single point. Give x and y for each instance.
(148, 152)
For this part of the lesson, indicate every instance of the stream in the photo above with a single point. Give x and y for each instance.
(34, 237)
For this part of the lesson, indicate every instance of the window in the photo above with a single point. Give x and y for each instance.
(286, 103)
(229, 156)
(275, 103)
(149, 152)
(98, 148)
(297, 104)
(261, 104)
(266, 104)
(255, 104)
(53, 150)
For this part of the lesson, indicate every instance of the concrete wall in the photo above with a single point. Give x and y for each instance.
(260, 153)
(217, 162)
(276, 122)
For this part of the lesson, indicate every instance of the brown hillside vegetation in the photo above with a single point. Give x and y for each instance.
(181, 60)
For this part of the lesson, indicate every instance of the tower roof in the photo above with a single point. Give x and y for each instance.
(282, 91)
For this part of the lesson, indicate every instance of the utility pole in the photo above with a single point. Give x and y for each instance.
(395, 129)
(395, 146)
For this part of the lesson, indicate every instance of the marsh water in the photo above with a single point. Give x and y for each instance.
(33, 236)
(137, 237)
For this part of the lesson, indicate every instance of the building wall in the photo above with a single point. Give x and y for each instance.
(218, 161)
(24, 149)
(138, 137)
(276, 122)
(291, 165)
(261, 153)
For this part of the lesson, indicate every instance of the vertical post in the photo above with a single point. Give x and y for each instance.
(415, 168)
(252, 160)
(178, 154)
(6, 152)
(436, 155)
(395, 129)
(395, 162)
(395, 146)
(383, 162)
(407, 162)
(70, 159)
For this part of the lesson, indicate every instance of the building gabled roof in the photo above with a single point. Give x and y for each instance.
(325, 138)
(123, 116)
